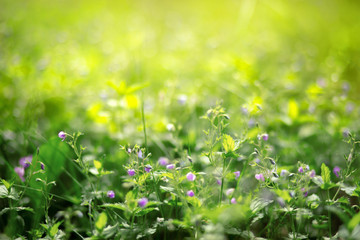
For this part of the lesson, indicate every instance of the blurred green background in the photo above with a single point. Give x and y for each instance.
(290, 66)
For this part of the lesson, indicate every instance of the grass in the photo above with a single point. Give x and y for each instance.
(200, 84)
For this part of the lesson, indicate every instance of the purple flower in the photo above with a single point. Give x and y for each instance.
(190, 193)
(62, 135)
(312, 173)
(111, 194)
(260, 177)
(233, 200)
(170, 166)
(163, 161)
(283, 172)
(336, 171)
(148, 168)
(42, 166)
(21, 172)
(129, 150)
(140, 155)
(301, 170)
(237, 174)
(190, 176)
(131, 172)
(25, 161)
(265, 137)
(218, 181)
(307, 168)
(305, 193)
(142, 202)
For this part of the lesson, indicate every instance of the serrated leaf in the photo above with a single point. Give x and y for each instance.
(167, 189)
(142, 211)
(7, 185)
(325, 173)
(109, 231)
(101, 221)
(3, 191)
(259, 203)
(97, 164)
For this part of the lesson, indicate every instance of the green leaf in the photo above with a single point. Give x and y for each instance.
(325, 173)
(354, 221)
(16, 209)
(101, 221)
(109, 231)
(7, 185)
(228, 143)
(259, 203)
(283, 194)
(54, 229)
(167, 189)
(3, 191)
(142, 211)
(119, 206)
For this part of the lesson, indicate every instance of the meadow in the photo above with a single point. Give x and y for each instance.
(179, 119)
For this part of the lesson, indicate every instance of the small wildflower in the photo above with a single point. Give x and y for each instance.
(305, 193)
(265, 137)
(190, 176)
(229, 191)
(62, 135)
(25, 161)
(170, 166)
(237, 174)
(346, 133)
(163, 161)
(312, 173)
(190, 193)
(182, 99)
(129, 150)
(260, 177)
(42, 166)
(218, 181)
(21, 172)
(131, 172)
(142, 202)
(284, 172)
(307, 168)
(281, 202)
(336, 171)
(148, 168)
(111, 194)
(292, 194)
(301, 170)
(233, 200)
(140, 155)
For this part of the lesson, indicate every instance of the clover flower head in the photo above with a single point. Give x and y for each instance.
(131, 172)
(163, 161)
(190, 193)
(148, 168)
(265, 137)
(170, 166)
(233, 200)
(62, 135)
(111, 194)
(142, 202)
(312, 173)
(260, 177)
(21, 172)
(190, 176)
(336, 171)
(237, 174)
(301, 170)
